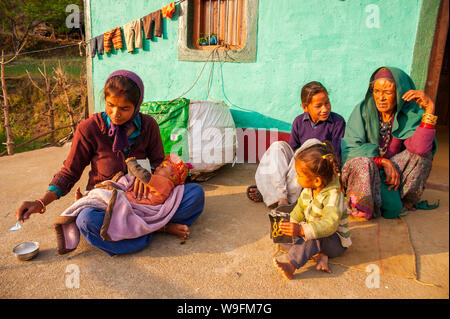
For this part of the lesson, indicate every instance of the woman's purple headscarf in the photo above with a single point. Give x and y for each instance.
(119, 132)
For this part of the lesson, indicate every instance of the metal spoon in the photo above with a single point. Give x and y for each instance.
(16, 226)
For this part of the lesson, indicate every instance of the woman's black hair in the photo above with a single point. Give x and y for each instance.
(121, 85)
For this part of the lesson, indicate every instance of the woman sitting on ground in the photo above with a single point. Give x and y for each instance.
(388, 146)
(275, 177)
(104, 141)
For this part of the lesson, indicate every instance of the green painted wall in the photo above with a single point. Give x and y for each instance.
(298, 41)
(424, 42)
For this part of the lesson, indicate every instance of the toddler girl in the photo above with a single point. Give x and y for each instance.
(320, 216)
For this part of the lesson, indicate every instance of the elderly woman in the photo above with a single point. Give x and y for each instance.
(388, 146)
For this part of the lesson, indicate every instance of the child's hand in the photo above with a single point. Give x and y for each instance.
(291, 229)
(78, 194)
(138, 188)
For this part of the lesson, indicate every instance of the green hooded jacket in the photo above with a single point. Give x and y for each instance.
(361, 136)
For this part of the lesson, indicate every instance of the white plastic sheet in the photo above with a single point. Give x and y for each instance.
(212, 136)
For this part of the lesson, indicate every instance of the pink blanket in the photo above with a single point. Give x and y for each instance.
(123, 219)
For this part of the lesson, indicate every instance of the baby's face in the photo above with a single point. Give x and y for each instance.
(164, 169)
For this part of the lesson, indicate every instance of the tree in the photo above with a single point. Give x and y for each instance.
(64, 84)
(6, 106)
(48, 91)
(9, 141)
(20, 18)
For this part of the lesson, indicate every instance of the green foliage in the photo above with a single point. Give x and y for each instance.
(18, 16)
(32, 11)
(33, 145)
(28, 104)
(71, 66)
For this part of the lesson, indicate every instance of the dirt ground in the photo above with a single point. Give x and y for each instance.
(228, 255)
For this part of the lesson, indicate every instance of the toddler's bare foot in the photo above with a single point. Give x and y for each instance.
(322, 262)
(179, 230)
(283, 201)
(286, 268)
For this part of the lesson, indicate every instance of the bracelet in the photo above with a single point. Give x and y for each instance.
(43, 206)
(428, 118)
(426, 125)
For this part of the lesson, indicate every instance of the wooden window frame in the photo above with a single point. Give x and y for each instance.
(229, 38)
(188, 50)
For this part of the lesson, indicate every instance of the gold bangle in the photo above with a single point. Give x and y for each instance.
(43, 209)
(429, 118)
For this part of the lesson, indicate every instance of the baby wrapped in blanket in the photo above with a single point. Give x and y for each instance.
(171, 172)
(125, 216)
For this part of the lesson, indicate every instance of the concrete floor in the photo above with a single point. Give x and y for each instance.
(228, 255)
(439, 177)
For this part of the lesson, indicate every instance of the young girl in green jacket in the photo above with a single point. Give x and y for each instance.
(320, 219)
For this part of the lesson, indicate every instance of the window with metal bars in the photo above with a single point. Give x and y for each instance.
(219, 23)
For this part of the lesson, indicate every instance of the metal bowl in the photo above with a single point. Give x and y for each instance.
(26, 250)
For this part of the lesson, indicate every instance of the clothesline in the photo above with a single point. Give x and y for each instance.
(64, 46)
(132, 32)
(175, 2)
(195, 82)
(44, 50)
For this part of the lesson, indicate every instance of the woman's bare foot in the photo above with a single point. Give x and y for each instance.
(322, 262)
(286, 268)
(179, 230)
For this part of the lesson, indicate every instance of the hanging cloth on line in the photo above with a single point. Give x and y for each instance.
(168, 11)
(114, 36)
(153, 21)
(133, 35)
